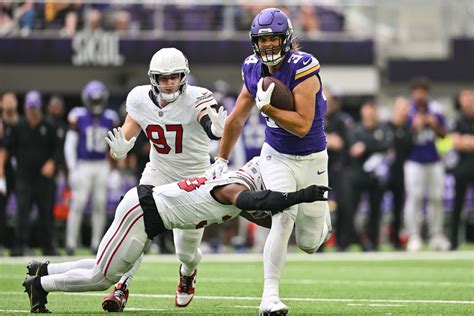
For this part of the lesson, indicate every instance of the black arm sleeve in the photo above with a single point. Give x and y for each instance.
(206, 124)
(278, 201)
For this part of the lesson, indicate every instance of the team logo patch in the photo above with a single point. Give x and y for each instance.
(160, 114)
(268, 157)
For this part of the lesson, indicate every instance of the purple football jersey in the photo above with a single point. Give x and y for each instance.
(295, 68)
(92, 131)
(424, 148)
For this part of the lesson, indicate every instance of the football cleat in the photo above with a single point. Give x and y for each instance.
(414, 243)
(36, 295)
(115, 301)
(186, 288)
(439, 243)
(37, 268)
(271, 306)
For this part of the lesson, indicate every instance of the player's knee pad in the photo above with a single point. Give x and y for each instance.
(310, 237)
(101, 282)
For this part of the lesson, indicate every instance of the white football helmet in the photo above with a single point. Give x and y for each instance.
(168, 61)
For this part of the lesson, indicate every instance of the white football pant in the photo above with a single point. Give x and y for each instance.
(122, 245)
(89, 177)
(287, 173)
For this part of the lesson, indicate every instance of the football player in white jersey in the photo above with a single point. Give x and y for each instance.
(179, 120)
(147, 211)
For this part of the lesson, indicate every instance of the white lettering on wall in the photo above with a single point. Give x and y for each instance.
(96, 49)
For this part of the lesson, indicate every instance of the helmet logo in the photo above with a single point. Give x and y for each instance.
(269, 30)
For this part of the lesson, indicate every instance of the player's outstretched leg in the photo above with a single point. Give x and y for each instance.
(36, 294)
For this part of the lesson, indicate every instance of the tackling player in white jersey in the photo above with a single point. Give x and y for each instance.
(147, 211)
(179, 120)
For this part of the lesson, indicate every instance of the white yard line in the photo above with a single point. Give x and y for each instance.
(239, 257)
(255, 298)
(300, 282)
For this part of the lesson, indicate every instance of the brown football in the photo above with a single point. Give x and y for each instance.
(282, 97)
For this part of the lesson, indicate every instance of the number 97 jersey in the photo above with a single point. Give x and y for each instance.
(179, 144)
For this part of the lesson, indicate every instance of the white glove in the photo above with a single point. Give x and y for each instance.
(119, 145)
(219, 167)
(263, 97)
(218, 120)
(3, 185)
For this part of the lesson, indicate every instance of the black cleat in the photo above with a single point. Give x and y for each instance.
(36, 268)
(36, 295)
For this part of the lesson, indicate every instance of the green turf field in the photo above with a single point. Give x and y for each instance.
(330, 283)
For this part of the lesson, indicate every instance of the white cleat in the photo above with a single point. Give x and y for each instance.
(439, 243)
(414, 243)
(272, 306)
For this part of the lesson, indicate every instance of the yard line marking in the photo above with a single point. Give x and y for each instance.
(13, 311)
(300, 282)
(253, 257)
(255, 298)
(315, 282)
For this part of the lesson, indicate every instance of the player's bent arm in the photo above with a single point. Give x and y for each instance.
(267, 200)
(234, 122)
(298, 122)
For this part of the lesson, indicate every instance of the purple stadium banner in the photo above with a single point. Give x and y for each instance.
(107, 49)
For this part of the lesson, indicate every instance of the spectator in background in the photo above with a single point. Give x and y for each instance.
(7, 25)
(401, 140)
(25, 14)
(308, 20)
(463, 143)
(368, 145)
(36, 148)
(93, 20)
(424, 172)
(62, 15)
(337, 144)
(86, 155)
(55, 115)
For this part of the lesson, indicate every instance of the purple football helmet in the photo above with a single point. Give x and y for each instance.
(95, 96)
(272, 22)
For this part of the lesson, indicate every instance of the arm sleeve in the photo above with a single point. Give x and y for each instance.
(206, 123)
(275, 202)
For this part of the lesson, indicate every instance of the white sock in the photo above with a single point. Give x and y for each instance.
(58, 268)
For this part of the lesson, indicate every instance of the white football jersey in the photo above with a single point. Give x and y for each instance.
(179, 144)
(188, 204)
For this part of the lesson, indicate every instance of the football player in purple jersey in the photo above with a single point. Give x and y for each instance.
(424, 171)
(294, 153)
(85, 151)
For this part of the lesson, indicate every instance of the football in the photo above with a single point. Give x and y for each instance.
(282, 97)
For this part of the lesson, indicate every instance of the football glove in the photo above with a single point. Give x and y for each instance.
(263, 97)
(118, 144)
(218, 120)
(219, 167)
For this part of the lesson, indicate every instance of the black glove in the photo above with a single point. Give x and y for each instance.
(312, 193)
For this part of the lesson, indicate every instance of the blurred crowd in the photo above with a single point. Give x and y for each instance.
(65, 18)
(385, 190)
